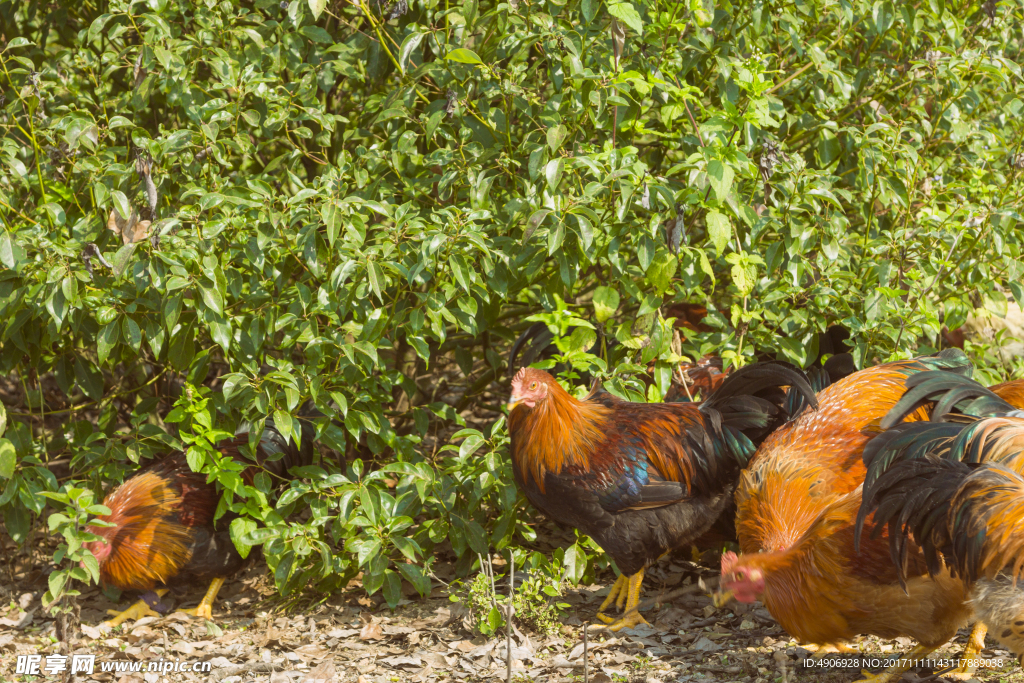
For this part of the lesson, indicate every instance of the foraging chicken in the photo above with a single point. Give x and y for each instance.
(796, 508)
(163, 529)
(957, 491)
(640, 478)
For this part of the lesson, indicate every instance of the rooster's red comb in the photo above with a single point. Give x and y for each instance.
(729, 561)
(519, 376)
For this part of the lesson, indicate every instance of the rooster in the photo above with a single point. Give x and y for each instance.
(796, 508)
(639, 478)
(162, 529)
(955, 485)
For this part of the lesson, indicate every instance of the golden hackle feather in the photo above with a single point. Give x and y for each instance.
(562, 431)
(997, 502)
(1012, 392)
(1000, 439)
(775, 508)
(148, 545)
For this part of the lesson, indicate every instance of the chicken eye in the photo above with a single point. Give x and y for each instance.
(533, 385)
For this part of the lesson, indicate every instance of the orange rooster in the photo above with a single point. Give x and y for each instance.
(956, 489)
(640, 478)
(163, 531)
(796, 508)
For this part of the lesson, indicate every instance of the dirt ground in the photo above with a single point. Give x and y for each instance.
(349, 637)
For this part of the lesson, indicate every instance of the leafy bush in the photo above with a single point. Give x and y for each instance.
(216, 211)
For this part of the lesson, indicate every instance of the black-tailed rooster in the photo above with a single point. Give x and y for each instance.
(640, 478)
(955, 489)
(163, 531)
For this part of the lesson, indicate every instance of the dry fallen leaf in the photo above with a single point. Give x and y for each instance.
(323, 673)
(371, 631)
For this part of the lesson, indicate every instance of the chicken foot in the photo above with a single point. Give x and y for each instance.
(834, 648)
(205, 607)
(626, 594)
(972, 651)
(140, 609)
(894, 673)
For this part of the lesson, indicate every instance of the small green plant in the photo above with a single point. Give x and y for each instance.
(534, 601)
(639, 669)
(81, 564)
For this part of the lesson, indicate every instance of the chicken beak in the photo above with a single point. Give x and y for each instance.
(513, 402)
(721, 598)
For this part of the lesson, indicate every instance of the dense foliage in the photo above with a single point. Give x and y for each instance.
(217, 211)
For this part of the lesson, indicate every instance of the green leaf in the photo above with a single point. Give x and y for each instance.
(285, 423)
(589, 9)
(415, 575)
(7, 250)
(720, 176)
(625, 12)
(316, 34)
(463, 56)
(212, 298)
(536, 218)
(240, 529)
(575, 563)
(376, 278)
(106, 340)
(317, 8)
(121, 204)
(719, 230)
(56, 581)
(8, 459)
(3, 419)
(132, 334)
(662, 270)
(606, 302)
(553, 173)
(409, 45)
(92, 566)
(122, 258)
(392, 588)
(556, 136)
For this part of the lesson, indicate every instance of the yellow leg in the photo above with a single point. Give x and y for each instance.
(619, 588)
(834, 648)
(975, 644)
(135, 612)
(205, 608)
(631, 618)
(894, 673)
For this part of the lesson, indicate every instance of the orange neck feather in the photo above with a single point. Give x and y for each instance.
(147, 544)
(557, 433)
(801, 589)
(776, 508)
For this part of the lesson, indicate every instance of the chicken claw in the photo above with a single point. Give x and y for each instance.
(137, 611)
(975, 644)
(630, 619)
(834, 648)
(617, 594)
(205, 608)
(894, 673)
(628, 591)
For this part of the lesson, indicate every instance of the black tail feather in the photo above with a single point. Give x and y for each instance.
(912, 499)
(949, 391)
(750, 400)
